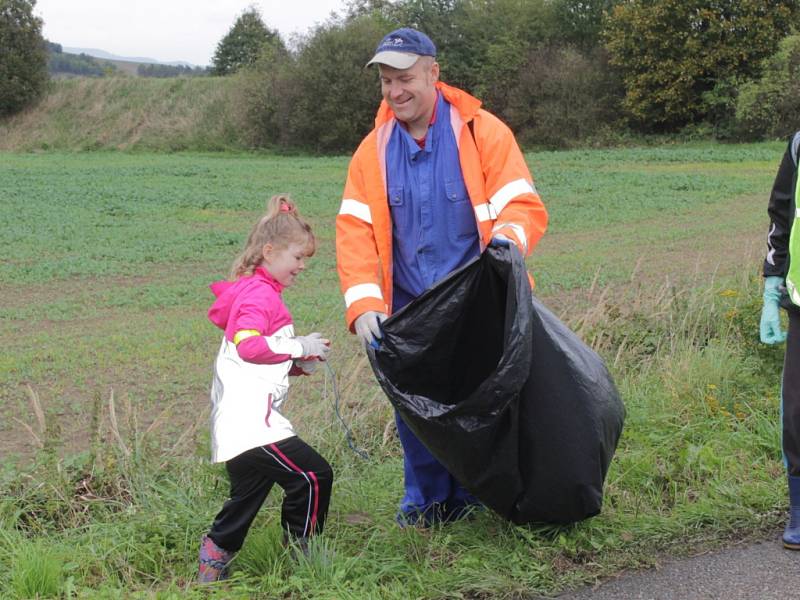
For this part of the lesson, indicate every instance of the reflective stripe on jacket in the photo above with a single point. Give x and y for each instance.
(498, 182)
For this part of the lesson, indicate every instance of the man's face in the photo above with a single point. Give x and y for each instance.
(411, 93)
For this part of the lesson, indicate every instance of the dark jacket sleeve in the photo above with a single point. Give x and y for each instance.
(781, 203)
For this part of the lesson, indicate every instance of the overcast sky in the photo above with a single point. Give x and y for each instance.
(169, 30)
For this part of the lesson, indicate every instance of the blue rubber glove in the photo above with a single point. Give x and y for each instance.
(770, 326)
(500, 241)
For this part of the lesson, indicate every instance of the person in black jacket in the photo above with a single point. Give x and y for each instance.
(782, 289)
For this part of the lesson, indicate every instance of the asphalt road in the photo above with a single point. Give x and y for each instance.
(756, 571)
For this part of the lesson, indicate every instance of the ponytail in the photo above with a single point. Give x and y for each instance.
(280, 226)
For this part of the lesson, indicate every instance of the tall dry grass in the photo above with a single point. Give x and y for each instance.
(198, 113)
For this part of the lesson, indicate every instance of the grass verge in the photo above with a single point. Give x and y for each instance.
(698, 463)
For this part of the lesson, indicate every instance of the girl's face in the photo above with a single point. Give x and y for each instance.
(285, 263)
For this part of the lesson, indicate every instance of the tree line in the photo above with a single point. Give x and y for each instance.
(159, 70)
(61, 63)
(561, 73)
(84, 65)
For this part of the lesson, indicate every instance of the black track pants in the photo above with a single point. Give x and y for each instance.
(790, 392)
(304, 475)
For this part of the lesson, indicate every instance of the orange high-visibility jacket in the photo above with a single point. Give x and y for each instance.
(497, 179)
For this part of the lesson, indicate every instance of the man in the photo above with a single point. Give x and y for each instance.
(782, 288)
(433, 184)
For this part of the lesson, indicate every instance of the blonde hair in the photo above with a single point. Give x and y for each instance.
(280, 226)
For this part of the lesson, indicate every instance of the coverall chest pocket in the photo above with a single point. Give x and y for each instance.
(400, 208)
(459, 208)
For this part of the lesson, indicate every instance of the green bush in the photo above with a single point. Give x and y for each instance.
(673, 52)
(321, 99)
(770, 106)
(562, 97)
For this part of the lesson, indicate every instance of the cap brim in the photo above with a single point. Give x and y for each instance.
(397, 60)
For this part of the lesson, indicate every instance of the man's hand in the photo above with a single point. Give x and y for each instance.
(314, 345)
(368, 327)
(500, 241)
(770, 327)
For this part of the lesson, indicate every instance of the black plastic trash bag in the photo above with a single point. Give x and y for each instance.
(519, 410)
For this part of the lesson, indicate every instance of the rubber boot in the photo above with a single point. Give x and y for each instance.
(213, 562)
(791, 535)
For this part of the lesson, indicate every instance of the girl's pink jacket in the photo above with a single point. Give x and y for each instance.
(250, 381)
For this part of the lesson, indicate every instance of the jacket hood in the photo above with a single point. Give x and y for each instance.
(466, 104)
(227, 292)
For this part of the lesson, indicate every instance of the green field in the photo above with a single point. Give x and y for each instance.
(652, 255)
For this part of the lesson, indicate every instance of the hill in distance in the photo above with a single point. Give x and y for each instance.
(131, 59)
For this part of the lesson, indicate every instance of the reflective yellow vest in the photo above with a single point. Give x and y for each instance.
(793, 276)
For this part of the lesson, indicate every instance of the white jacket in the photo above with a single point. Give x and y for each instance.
(245, 398)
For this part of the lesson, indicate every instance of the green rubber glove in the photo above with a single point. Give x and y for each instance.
(770, 326)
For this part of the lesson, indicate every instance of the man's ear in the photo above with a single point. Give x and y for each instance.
(435, 71)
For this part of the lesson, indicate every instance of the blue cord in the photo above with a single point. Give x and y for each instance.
(348, 434)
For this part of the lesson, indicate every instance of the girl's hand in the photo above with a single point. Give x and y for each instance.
(307, 366)
(314, 345)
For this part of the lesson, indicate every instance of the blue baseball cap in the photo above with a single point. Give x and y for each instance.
(402, 48)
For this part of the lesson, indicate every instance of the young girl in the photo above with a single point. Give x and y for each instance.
(251, 377)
